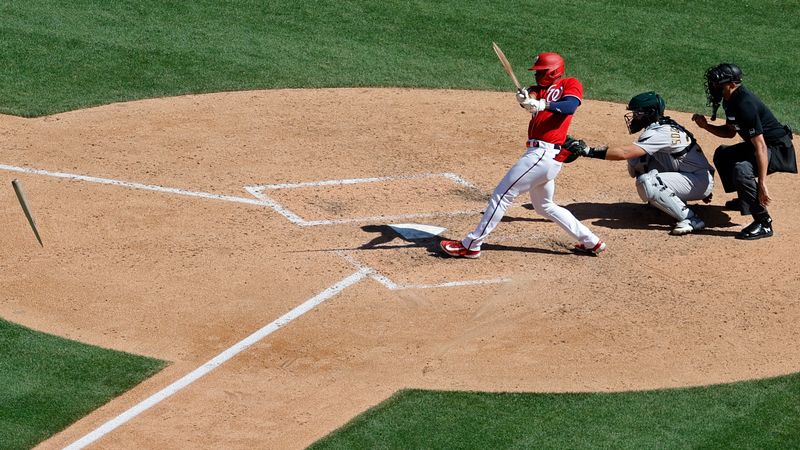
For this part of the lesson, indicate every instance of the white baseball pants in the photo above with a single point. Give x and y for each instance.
(535, 172)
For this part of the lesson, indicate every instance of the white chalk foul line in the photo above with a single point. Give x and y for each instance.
(392, 286)
(134, 185)
(218, 360)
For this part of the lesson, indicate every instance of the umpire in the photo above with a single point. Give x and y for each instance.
(767, 146)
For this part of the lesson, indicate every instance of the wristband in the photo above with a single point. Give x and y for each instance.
(599, 153)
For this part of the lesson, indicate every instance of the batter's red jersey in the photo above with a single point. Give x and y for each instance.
(550, 126)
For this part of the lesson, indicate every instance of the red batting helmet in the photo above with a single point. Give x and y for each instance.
(551, 65)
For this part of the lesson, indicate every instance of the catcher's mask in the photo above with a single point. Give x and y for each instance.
(645, 109)
(549, 67)
(716, 77)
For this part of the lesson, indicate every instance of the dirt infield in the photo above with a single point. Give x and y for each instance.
(176, 227)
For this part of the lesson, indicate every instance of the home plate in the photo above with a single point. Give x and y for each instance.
(416, 231)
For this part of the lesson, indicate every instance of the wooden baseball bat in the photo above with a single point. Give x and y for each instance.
(24, 203)
(506, 65)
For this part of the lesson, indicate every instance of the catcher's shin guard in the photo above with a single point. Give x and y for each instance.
(652, 190)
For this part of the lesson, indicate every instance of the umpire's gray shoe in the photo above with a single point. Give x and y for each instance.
(687, 226)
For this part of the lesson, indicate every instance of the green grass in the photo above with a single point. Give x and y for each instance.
(47, 382)
(749, 415)
(57, 56)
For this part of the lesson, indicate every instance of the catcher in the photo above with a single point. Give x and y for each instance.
(668, 164)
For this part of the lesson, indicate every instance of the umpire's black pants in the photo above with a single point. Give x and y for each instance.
(736, 166)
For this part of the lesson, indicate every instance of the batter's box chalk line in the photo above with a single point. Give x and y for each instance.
(262, 199)
(392, 286)
(259, 192)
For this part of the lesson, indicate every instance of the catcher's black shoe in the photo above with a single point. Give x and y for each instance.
(757, 230)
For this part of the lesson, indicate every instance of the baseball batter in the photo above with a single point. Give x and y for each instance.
(552, 103)
(668, 164)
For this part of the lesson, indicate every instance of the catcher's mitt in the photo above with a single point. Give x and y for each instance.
(576, 148)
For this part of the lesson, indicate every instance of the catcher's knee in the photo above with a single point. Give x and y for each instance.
(648, 185)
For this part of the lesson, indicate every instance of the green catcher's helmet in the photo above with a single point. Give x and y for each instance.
(645, 109)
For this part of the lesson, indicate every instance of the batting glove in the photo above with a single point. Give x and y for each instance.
(534, 105)
(522, 95)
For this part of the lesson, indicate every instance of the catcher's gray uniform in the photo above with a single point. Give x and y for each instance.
(673, 171)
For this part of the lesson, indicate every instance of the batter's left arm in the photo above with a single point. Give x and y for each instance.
(567, 105)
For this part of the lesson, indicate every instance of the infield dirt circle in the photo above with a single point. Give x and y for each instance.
(153, 244)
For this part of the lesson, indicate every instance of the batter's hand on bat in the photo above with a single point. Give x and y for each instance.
(522, 95)
(534, 105)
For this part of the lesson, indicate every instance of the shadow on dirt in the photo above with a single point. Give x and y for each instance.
(513, 248)
(386, 234)
(640, 216)
(631, 216)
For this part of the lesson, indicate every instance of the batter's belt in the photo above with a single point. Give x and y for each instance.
(562, 154)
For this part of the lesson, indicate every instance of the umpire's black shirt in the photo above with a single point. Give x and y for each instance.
(751, 117)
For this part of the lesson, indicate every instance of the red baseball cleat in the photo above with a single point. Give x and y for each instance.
(454, 248)
(580, 248)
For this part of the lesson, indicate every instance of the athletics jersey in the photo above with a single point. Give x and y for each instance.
(666, 145)
(551, 126)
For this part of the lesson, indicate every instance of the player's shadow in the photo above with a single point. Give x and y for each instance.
(387, 235)
(435, 251)
(642, 216)
(514, 248)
